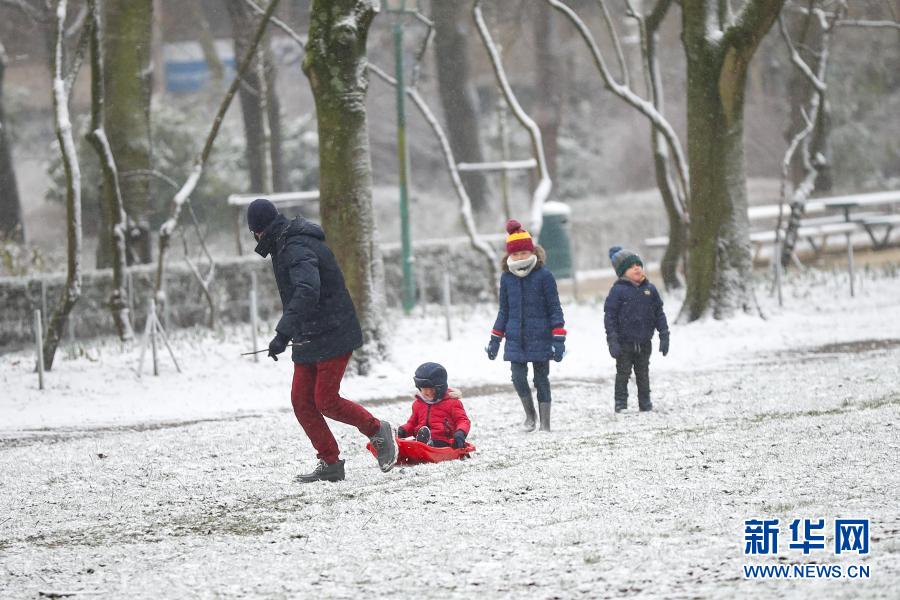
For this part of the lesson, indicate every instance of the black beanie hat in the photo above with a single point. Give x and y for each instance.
(623, 259)
(260, 214)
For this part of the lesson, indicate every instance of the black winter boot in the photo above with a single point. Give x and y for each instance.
(530, 414)
(424, 435)
(324, 472)
(544, 409)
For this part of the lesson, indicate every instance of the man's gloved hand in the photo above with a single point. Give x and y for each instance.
(459, 439)
(493, 347)
(402, 433)
(664, 343)
(278, 345)
(615, 349)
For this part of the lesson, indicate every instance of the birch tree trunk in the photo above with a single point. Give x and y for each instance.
(11, 225)
(335, 64)
(548, 83)
(63, 126)
(259, 103)
(113, 206)
(718, 50)
(127, 62)
(458, 97)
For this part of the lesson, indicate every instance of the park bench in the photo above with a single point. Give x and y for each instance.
(816, 227)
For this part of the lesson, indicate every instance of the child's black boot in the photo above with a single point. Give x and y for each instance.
(544, 408)
(424, 435)
(530, 414)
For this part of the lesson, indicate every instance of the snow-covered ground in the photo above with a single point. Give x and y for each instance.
(181, 485)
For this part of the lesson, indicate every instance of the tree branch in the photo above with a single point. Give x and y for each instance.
(617, 45)
(542, 190)
(167, 228)
(645, 108)
(751, 24)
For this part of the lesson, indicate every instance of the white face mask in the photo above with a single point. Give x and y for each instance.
(521, 268)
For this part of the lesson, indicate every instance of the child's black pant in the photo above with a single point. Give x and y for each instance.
(541, 379)
(634, 356)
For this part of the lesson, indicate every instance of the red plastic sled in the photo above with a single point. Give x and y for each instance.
(411, 452)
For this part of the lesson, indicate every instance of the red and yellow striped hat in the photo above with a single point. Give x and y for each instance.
(518, 239)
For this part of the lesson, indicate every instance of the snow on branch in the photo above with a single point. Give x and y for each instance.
(750, 25)
(644, 107)
(798, 60)
(542, 191)
(167, 228)
(614, 35)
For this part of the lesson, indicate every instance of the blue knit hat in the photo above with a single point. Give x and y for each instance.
(623, 259)
(260, 214)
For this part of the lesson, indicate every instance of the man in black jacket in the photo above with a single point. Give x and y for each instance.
(319, 317)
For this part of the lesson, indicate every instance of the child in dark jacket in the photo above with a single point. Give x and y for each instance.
(531, 320)
(438, 417)
(633, 309)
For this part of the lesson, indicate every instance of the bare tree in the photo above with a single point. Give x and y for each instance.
(465, 204)
(719, 45)
(335, 64)
(669, 160)
(113, 206)
(544, 185)
(548, 84)
(63, 126)
(127, 90)
(11, 224)
(259, 104)
(182, 196)
(458, 97)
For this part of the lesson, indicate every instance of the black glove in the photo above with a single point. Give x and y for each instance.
(664, 343)
(559, 347)
(459, 439)
(493, 347)
(615, 350)
(278, 344)
(402, 433)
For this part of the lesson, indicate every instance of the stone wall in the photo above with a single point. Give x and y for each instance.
(186, 305)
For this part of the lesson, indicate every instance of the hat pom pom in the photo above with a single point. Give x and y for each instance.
(512, 226)
(613, 251)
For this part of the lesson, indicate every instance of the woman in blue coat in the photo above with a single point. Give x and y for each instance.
(531, 320)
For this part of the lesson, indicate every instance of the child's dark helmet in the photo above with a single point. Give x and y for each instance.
(432, 375)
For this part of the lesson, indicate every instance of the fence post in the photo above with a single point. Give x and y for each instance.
(447, 305)
(253, 313)
(153, 318)
(39, 341)
(850, 264)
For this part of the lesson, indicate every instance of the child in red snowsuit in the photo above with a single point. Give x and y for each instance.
(438, 417)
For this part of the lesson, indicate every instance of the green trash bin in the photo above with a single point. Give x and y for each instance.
(556, 238)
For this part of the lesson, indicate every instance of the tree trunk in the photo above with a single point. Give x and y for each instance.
(11, 225)
(665, 180)
(113, 206)
(719, 267)
(335, 64)
(127, 62)
(63, 126)
(458, 97)
(259, 104)
(548, 85)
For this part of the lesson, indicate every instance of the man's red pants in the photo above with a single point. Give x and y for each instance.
(315, 395)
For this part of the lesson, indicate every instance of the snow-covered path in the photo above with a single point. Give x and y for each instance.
(145, 500)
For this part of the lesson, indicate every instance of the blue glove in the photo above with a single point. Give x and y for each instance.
(664, 343)
(615, 350)
(559, 347)
(459, 439)
(493, 347)
(278, 345)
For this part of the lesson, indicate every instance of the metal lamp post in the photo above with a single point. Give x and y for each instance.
(401, 8)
